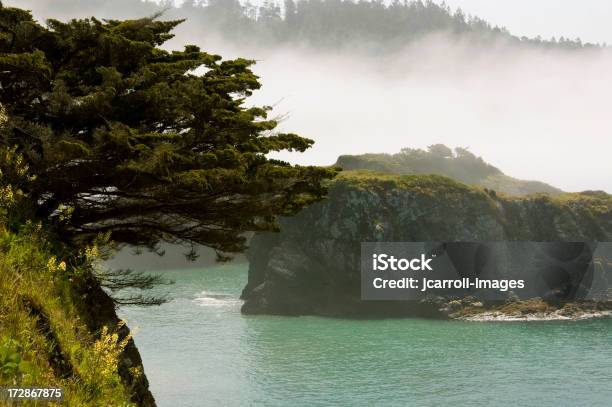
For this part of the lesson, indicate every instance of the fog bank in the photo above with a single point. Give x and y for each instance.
(534, 113)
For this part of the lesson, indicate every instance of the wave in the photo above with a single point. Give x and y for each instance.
(216, 299)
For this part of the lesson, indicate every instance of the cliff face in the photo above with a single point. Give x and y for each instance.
(98, 311)
(313, 265)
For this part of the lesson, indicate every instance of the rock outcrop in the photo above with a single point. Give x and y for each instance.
(313, 265)
(99, 310)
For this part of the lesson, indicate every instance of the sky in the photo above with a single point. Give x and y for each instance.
(586, 19)
(534, 114)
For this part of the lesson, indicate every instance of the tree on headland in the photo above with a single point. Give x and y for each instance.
(146, 145)
(440, 150)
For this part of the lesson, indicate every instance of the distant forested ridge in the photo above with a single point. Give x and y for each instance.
(460, 164)
(376, 25)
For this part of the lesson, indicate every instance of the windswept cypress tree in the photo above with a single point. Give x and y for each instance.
(126, 138)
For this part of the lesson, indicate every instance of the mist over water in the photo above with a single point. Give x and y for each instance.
(535, 113)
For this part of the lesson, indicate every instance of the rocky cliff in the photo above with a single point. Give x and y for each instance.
(313, 265)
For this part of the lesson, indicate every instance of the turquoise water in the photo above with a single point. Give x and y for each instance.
(198, 350)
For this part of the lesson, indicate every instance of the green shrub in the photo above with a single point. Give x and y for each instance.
(11, 362)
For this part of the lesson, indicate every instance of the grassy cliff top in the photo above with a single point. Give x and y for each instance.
(426, 183)
(438, 159)
(597, 201)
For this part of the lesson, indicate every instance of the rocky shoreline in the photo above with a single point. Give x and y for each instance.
(554, 316)
(469, 309)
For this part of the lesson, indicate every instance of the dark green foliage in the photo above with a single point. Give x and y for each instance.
(124, 137)
(459, 164)
(135, 282)
(437, 159)
(11, 362)
(375, 25)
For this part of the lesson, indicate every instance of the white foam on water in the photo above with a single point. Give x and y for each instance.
(216, 299)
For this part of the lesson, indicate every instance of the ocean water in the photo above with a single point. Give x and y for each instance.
(198, 350)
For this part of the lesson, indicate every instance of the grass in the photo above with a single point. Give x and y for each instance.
(530, 306)
(423, 183)
(595, 204)
(44, 340)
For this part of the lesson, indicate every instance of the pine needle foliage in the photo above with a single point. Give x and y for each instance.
(150, 145)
